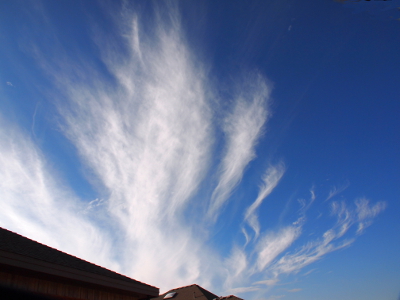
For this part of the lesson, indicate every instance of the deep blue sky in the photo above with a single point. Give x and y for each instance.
(251, 147)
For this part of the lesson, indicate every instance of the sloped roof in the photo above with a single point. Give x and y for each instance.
(230, 297)
(194, 292)
(16, 244)
(190, 292)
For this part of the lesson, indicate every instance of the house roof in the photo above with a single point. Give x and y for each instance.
(190, 292)
(230, 297)
(194, 292)
(23, 252)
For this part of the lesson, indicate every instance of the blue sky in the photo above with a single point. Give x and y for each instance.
(251, 147)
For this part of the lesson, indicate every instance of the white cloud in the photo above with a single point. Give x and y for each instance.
(312, 192)
(246, 236)
(365, 213)
(268, 282)
(9, 83)
(333, 239)
(34, 204)
(271, 179)
(236, 265)
(149, 144)
(273, 244)
(243, 128)
(148, 140)
(241, 290)
(337, 190)
(309, 272)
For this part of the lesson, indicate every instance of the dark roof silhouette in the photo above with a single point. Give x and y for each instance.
(30, 259)
(190, 292)
(230, 297)
(194, 292)
(18, 244)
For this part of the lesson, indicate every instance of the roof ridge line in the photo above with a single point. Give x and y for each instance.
(207, 290)
(71, 256)
(182, 287)
(224, 297)
(186, 286)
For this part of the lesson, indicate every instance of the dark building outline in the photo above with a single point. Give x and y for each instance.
(34, 268)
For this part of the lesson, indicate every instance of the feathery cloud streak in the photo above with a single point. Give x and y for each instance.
(148, 139)
(271, 180)
(333, 239)
(34, 203)
(149, 146)
(242, 128)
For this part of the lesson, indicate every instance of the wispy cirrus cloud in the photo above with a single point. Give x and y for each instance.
(150, 148)
(271, 179)
(272, 256)
(242, 128)
(337, 190)
(34, 202)
(294, 290)
(333, 239)
(273, 244)
(268, 282)
(241, 290)
(147, 138)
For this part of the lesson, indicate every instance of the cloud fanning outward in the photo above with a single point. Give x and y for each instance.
(148, 140)
(35, 204)
(242, 128)
(271, 180)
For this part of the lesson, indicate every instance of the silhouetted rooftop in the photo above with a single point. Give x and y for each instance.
(189, 292)
(18, 244)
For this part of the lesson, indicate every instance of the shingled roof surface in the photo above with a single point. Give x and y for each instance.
(190, 292)
(18, 244)
(230, 297)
